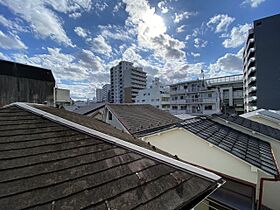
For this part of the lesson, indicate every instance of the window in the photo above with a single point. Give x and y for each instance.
(152, 99)
(174, 107)
(110, 116)
(209, 95)
(157, 99)
(208, 107)
(181, 97)
(148, 94)
(143, 100)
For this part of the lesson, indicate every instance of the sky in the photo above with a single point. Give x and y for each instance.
(80, 40)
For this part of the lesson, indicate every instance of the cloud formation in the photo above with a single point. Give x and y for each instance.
(237, 36)
(220, 22)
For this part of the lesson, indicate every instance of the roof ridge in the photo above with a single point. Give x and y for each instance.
(114, 140)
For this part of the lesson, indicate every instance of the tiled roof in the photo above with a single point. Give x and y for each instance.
(137, 118)
(255, 126)
(25, 71)
(47, 165)
(84, 110)
(250, 149)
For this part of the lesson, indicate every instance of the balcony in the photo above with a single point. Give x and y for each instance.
(252, 98)
(251, 70)
(250, 61)
(250, 51)
(249, 45)
(252, 79)
(252, 89)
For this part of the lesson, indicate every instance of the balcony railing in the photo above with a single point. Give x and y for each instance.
(225, 79)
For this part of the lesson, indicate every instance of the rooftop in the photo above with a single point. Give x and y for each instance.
(52, 162)
(138, 118)
(247, 148)
(87, 109)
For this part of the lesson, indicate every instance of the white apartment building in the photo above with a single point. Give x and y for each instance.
(106, 92)
(209, 96)
(157, 95)
(98, 93)
(126, 81)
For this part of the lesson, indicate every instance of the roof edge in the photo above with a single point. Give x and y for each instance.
(114, 140)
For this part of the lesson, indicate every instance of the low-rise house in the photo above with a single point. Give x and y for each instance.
(263, 116)
(137, 118)
(244, 160)
(55, 159)
(94, 110)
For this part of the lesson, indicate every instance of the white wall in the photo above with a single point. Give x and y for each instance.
(193, 149)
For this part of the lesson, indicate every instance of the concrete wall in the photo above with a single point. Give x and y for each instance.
(195, 150)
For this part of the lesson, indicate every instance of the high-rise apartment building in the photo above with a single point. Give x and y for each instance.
(207, 96)
(126, 81)
(106, 89)
(98, 93)
(261, 65)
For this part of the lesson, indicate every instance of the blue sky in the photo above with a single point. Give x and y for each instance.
(79, 40)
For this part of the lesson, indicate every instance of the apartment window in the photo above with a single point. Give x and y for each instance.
(208, 107)
(183, 107)
(152, 100)
(157, 99)
(148, 94)
(209, 95)
(174, 107)
(143, 100)
(181, 97)
(110, 116)
(144, 94)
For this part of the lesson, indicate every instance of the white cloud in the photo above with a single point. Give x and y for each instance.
(180, 29)
(151, 31)
(42, 18)
(228, 64)
(11, 42)
(99, 45)
(117, 7)
(220, 22)
(199, 43)
(253, 3)
(162, 5)
(237, 36)
(195, 54)
(115, 32)
(4, 57)
(13, 25)
(184, 15)
(81, 32)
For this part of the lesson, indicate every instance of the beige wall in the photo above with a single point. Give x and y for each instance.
(193, 149)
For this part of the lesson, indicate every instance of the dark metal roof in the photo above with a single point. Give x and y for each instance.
(138, 118)
(255, 126)
(46, 165)
(250, 149)
(25, 71)
(87, 109)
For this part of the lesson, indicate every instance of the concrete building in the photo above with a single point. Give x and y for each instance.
(24, 83)
(207, 96)
(157, 95)
(126, 81)
(98, 93)
(261, 67)
(62, 97)
(106, 89)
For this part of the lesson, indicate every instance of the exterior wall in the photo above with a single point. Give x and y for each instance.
(62, 96)
(18, 89)
(98, 95)
(156, 95)
(126, 77)
(266, 75)
(106, 92)
(193, 149)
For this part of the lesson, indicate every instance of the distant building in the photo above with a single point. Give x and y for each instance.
(157, 95)
(126, 81)
(24, 83)
(106, 89)
(207, 96)
(261, 65)
(62, 97)
(98, 93)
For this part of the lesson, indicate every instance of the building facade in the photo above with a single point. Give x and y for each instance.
(126, 81)
(98, 93)
(106, 89)
(261, 69)
(24, 83)
(206, 97)
(157, 95)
